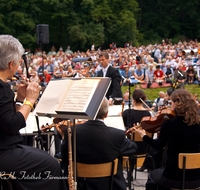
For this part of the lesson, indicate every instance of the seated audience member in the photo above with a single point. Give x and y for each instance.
(60, 73)
(196, 98)
(159, 75)
(79, 73)
(126, 95)
(44, 81)
(92, 73)
(198, 73)
(149, 75)
(158, 102)
(34, 77)
(181, 135)
(69, 72)
(190, 74)
(126, 75)
(180, 76)
(42, 66)
(113, 144)
(168, 74)
(139, 73)
(49, 67)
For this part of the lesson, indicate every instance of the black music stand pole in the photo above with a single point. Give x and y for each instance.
(38, 138)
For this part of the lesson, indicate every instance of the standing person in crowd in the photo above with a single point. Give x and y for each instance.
(108, 71)
(180, 76)
(181, 135)
(159, 75)
(97, 143)
(19, 160)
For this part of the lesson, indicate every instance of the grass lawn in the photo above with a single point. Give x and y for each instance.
(153, 93)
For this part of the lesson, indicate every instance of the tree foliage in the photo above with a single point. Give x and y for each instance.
(80, 23)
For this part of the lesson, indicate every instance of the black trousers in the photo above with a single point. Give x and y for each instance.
(33, 169)
(157, 181)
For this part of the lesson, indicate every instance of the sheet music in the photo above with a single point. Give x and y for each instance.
(53, 96)
(79, 95)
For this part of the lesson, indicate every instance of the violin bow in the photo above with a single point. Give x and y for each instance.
(147, 106)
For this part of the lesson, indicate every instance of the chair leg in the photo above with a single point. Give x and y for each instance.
(135, 164)
(112, 175)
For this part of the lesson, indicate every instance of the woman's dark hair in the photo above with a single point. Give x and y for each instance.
(137, 94)
(170, 91)
(157, 66)
(186, 106)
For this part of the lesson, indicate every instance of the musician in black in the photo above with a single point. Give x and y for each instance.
(97, 143)
(180, 76)
(30, 166)
(181, 135)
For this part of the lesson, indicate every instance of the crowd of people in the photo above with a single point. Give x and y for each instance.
(160, 63)
(96, 142)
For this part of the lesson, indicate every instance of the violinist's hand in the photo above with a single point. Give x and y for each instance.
(140, 131)
(61, 129)
(44, 128)
(129, 131)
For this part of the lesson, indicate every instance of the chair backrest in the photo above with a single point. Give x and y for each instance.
(136, 137)
(96, 170)
(192, 160)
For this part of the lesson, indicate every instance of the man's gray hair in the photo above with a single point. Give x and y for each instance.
(161, 92)
(10, 49)
(103, 109)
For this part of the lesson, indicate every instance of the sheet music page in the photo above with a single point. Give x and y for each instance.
(53, 96)
(79, 95)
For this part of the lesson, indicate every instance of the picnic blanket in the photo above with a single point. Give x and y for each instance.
(155, 85)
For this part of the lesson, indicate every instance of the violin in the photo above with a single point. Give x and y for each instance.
(61, 125)
(153, 124)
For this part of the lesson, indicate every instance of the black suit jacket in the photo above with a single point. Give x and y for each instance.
(97, 143)
(115, 88)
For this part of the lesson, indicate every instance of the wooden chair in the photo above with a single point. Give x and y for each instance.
(5, 181)
(98, 170)
(188, 161)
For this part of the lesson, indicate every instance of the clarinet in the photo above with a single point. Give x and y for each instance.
(70, 166)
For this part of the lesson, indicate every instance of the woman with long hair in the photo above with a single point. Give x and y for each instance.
(181, 135)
